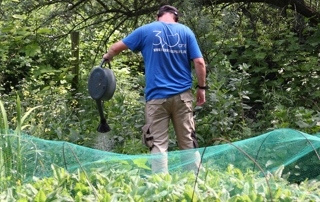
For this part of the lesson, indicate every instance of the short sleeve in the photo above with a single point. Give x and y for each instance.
(134, 40)
(193, 47)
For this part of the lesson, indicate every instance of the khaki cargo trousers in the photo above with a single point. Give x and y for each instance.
(158, 113)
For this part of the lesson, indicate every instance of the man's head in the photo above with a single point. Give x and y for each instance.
(169, 9)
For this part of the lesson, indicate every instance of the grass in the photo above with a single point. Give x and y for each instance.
(11, 162)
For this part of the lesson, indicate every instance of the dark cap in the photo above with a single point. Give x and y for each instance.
(169, 9)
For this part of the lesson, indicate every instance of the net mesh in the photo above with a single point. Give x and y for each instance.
(296, 150)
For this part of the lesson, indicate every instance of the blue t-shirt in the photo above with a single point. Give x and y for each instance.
(167, 49)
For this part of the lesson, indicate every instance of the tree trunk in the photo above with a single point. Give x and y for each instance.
(75, 54)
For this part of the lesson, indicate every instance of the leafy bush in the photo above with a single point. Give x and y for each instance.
(121, 185)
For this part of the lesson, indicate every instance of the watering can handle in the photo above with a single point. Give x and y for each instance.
(103, 61)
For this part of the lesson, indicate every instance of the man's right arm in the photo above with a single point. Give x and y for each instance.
(114, 50)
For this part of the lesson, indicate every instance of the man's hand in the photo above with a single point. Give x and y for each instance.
(201, 96)
(107, 58)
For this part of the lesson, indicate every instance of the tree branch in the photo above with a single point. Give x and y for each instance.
(300, 6)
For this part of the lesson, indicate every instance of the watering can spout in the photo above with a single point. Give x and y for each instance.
(103, 127)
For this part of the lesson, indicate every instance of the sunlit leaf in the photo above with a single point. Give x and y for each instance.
(21, 17)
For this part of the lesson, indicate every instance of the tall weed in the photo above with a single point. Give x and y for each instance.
(11, 148)
(223, 115)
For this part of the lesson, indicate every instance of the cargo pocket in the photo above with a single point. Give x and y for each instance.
(147, 138)
(187, 98)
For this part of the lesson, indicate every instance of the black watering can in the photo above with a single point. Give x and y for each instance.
(101, 87)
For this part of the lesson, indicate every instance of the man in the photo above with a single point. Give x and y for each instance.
(168, 48)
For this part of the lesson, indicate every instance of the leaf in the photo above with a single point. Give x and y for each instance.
(188, 193)
(40, 197)
(3, 125)
(245, 97)
(7, 29)
(302, 124)
(18, 114)
(78, 197)
(279, 171)
(81, 188)
(141, 163)
(32, 49)
(21, 17)
(27, 114)
(44, 31)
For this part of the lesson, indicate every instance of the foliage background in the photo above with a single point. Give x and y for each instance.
(262, 63)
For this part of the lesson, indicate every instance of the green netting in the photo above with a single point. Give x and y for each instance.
(297, 151)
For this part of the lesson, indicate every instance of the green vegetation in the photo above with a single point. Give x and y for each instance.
(121, 185)
(263, 74)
